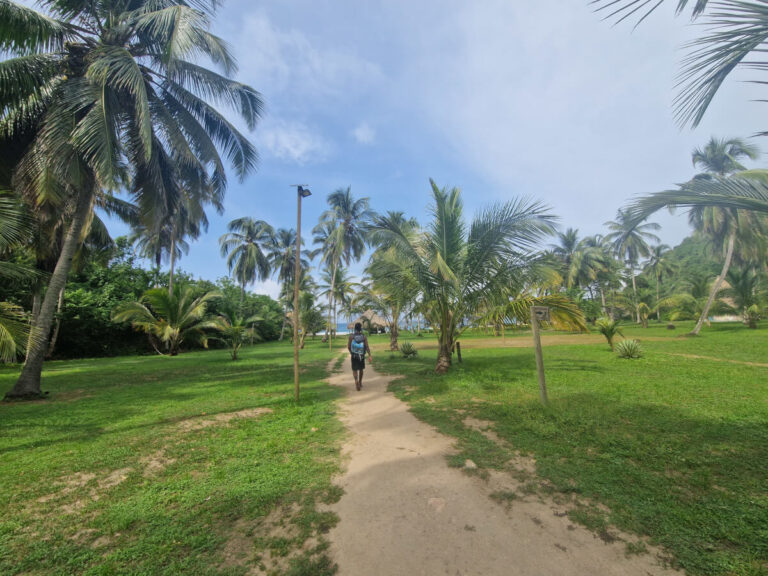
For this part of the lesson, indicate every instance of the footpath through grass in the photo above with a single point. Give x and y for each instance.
(156, 465)
(676, 447)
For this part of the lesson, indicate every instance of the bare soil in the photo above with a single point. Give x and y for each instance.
(404, 511)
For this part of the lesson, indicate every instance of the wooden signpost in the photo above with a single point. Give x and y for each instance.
(539, 314)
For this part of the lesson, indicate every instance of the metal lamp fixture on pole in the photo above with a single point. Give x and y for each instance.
(301, 192)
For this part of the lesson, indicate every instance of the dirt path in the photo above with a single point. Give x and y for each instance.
(406, 513)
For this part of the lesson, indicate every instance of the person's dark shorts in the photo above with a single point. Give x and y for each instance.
(358, 362)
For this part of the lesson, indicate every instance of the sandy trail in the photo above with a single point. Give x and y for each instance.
(406, 513)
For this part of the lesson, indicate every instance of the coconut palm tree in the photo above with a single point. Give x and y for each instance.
(282, 259)
(169, 319)
(108, 97)
(343, 288)
(246, 245)
(659, 266)
(341, 234)
(630, 243)
(463, 269)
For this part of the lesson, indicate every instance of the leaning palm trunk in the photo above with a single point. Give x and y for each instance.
(717, 284)
(52, 345)
(28, 384)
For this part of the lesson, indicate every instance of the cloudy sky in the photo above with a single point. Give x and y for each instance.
(499, 98)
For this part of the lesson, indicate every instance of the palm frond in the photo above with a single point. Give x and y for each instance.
(620, 10)
(25, 31)
(737, 29)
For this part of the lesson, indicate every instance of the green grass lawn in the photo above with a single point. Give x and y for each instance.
(675, 447)
(156, 465)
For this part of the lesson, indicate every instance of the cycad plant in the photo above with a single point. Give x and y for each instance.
(170, 319)
(236, 330)
(105, 96)
(460, 269)
(608, 328)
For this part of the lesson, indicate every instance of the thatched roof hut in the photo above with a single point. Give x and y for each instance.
(370, 321)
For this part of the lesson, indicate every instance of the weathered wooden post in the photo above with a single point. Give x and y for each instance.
(539, 313)
(458, 351)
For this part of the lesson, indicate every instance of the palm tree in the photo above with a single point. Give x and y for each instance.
(235, 329)
(107, 97)
(462, 269)
(341, 234)
(169, 319)
(743, 289)
(246, 244)
(282, 259)
(658, 266)
(630, 242)
(343, 287)
(721, 157)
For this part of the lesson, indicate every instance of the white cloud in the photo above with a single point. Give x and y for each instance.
(364, 134)
(293, 142)
(286, 62)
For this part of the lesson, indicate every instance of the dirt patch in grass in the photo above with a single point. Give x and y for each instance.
(223, 418)
(715, 359)
(155, 463)
(265, 545)
(75, 491)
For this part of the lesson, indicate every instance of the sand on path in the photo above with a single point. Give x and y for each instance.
(404, 512)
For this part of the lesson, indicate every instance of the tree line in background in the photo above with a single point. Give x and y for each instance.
(106, 98)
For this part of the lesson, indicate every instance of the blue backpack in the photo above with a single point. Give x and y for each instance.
(358, 345)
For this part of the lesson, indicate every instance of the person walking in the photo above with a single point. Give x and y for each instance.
(358, 347)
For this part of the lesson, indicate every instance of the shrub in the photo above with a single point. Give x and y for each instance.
(629, 349)
(752, 316)
(608, 328)
(408, 350)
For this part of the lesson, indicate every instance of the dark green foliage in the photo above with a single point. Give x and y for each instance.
(408, 350)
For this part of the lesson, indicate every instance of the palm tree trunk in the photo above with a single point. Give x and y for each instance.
(52, 345)
(446, 346)
(602, 299)
(658, 310)
(285, 319)
(717, 284)
(36, 300)
(173, 260)
(330, 307)
(634, 295)
(393, 330)
(28, 384)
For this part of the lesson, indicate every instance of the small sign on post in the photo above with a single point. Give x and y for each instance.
(539, 314)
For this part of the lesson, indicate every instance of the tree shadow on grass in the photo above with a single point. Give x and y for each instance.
(695, 485)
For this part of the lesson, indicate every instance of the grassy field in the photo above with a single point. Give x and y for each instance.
(673, 447)
(186, 465)
(201, 465)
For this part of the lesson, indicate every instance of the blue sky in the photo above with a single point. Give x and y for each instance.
(499, 98)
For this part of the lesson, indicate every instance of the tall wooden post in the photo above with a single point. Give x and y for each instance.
(301, 192)
(539, 357)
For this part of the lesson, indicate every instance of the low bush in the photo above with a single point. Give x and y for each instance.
(408, 350)
(629, 349)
